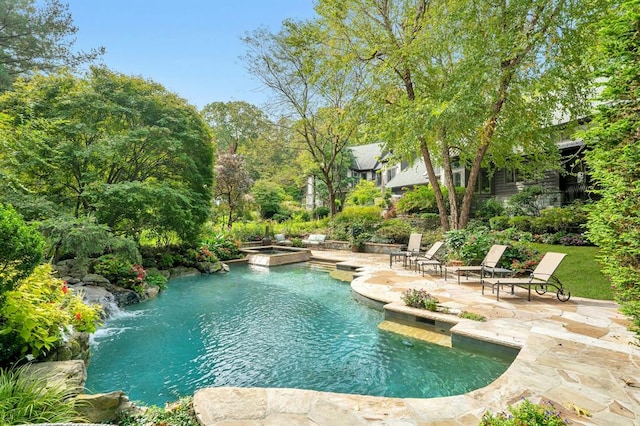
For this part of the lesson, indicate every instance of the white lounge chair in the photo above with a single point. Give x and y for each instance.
(429, 258)
(413, 249)
(540, 279)
(488, 267)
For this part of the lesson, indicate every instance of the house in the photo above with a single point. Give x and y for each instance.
(562, 187)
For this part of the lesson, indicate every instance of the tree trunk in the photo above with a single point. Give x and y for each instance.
(448, 179)
(433, 180)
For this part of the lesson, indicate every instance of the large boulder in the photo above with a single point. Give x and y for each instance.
(209, 267)
(69, 374)
(95, 279)
(183, 271)
(74, 347)
(104, 407)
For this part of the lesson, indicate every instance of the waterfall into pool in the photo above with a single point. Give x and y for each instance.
(288, 326)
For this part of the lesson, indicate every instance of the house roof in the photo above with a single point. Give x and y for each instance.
(415, 174)
(367, 157)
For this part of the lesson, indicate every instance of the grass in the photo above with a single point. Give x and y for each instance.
(580, 272)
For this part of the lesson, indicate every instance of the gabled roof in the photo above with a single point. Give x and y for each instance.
(367, 157)
(415, 174)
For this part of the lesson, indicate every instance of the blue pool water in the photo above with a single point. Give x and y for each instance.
(287, 326)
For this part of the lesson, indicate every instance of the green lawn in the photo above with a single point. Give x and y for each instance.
(580, 272)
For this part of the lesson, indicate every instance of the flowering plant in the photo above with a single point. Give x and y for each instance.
(420, 299)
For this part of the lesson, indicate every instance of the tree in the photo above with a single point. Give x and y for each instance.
(269, 197)
(235, 124)
(614, 221)
(118, 148)
(293, 65)
(232, 183)
(37, 36)
(363, 194)
(20, 249)
(479, 82)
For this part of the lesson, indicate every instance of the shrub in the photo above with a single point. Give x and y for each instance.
(36, 314)
(363, 194)
(321, 212)
(394, 231)
(472, 316)
(155, 279)
(420, 299)
(27, 399)
(572, 218)
(355, 220)
(521, 223)
(499, 223)
(176, 414)
(121, 272)
(223, 246)
(488, 209)
(526, 413)
(574, 240)
(526, 202)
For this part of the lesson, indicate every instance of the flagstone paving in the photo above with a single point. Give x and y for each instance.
(578, 355)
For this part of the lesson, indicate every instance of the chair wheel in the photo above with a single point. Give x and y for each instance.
(541, 289)
(562, 296)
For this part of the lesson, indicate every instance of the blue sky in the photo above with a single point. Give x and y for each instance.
(191, 47)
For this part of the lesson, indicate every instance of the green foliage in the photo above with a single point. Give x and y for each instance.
(20, 249)
(41, 37)
(571, 218)
(221, 245)
(363, 194)
(527, 201)
(155, 279)
(321, 212)
(27, 399)
(269, 197)
(180, 413)
(419, 199)
(499, 223)
(472, 316)
(521, 223)
(395, 231)
(118, 148)
(35, 315)
(420, 299)
(121, 272)
(525, 413)
(488, 209)
(232, 183)
(614, 221)
(356, 220)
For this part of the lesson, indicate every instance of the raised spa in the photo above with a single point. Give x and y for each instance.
(276, 255)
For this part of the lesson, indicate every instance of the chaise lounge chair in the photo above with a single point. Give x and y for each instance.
(429, 258)
(315, 240)
(413, 249)
(540, 279)
(281, 240)
(489, 265)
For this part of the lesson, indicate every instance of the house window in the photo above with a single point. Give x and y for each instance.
(404, 165)
(363, 175)
(378, 179)
(457, 179)
(510, 176)
(484, 182)
(391, 173)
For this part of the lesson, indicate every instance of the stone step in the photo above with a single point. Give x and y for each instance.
(419, 333)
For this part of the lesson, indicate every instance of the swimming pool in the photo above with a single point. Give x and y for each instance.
(288, 326)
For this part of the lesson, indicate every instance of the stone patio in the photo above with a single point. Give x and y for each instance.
(577, 355)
